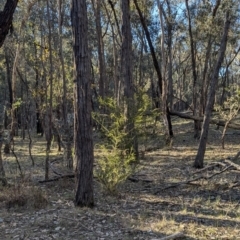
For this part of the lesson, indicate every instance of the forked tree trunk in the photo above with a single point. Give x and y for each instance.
(83, 139)
(117, 82)
(211, 96)
(166, 114)
(205, 83)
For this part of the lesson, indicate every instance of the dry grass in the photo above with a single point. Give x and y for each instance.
(207, 209)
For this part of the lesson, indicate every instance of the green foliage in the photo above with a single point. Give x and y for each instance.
(144, 116)
(117, 157)
(114, 167)
(18, 102)
(115, 163)
(230, 108)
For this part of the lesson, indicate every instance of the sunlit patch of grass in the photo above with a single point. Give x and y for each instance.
(166, 225)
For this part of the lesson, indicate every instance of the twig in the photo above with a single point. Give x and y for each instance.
(14, 154)
(210, 166)
(193, 180)
(236, 184)
(54, 171)
(232, 164)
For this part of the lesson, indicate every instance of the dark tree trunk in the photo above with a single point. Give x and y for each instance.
(83, 139)
(6, 17)
(126, 69)
(166, 116)
(211, 96)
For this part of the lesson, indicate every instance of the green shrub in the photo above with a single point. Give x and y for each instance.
(114, 167)
(118, 154)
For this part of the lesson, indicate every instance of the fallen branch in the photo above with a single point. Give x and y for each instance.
(54, 170)
(132, 179)
(210, 167)
(233, 185)
(232, 164)
(57, 178)
(212, 121)
(193, 180)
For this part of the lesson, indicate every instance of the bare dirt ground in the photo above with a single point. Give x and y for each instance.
(147, 206)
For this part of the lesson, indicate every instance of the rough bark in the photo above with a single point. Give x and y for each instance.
(6, 17)
(127, 77)
(211, 96)
(83, 139)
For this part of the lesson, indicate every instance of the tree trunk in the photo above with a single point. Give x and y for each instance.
(101, 59)
(194, 73)
(83, 139)
(127, 77)
(166, 117)
(205, 83)
(2, 172)
(66, 131)
(211, 96)
(6, 17)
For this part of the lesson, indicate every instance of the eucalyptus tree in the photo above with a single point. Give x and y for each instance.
(100, 47)
(162, 84)
(6, 18)
(211, 93)
(83, 139)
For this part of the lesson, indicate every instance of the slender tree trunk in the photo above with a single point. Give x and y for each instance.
(66, 131)
(117, 82)
(205, 83)
(9, 82)
(101, 59)
(211, 96)
(166, 115)
(48, 116)
(83, 139)
(2, 172)
(197, 125)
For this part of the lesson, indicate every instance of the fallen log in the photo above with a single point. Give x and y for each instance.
(218, 122)
(57, 178)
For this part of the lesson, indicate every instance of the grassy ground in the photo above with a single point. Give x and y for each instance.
(149, 207)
